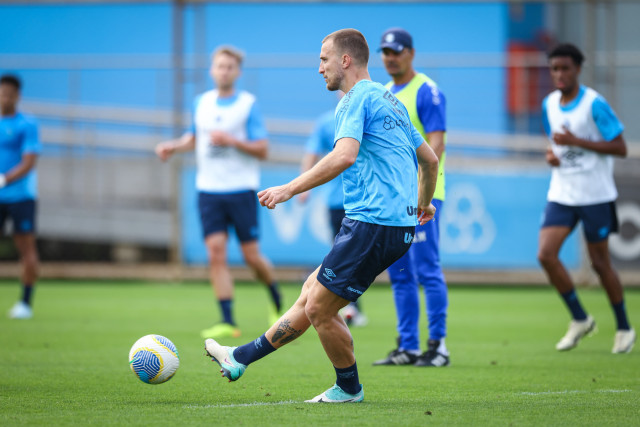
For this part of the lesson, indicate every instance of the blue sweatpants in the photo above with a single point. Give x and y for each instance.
(420, 265)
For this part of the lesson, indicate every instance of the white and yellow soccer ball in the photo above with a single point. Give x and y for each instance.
(154, 359)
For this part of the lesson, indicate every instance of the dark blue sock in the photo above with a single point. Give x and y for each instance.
(225, 308)
(347, 379)
(27, 290)
(621, 315)
(571, 299)
(275, 296)
(255, 350)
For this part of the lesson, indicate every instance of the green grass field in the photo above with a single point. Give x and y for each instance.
(69, 364)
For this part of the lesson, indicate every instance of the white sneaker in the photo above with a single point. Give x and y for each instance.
(623, 343)
(20, 310)
(336, 395)
(577, 330)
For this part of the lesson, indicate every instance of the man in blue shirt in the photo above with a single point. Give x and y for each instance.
(389, 175)
(421, 265)
(19, 149)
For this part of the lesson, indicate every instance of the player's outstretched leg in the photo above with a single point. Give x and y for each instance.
(233, 361)
(336, 395)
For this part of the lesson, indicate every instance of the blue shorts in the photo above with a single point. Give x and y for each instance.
(360, 252)
(598, 221)
(22, 214)
(219, 211)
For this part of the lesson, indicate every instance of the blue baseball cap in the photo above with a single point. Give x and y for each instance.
(396, 39)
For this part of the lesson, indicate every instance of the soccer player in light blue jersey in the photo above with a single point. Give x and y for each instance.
(19, 150)
(584, 135)
(421, 264)
(389, 174)
(319, 144)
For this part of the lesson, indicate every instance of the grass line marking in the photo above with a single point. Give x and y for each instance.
(241, 405)
(542, 393)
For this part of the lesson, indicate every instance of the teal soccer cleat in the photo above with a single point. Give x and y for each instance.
(336, 395)
(223, 356)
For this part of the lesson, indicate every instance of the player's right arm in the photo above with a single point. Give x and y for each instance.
(427, 178)
(166, 149)
(333, 164)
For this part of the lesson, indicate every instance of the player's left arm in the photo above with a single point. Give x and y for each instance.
(436, 142)
(30, 151)
(27, 163)
(257, 145)
(616, 147)
(609, 126)
(427, 177)
(333, 164)
(258, 148)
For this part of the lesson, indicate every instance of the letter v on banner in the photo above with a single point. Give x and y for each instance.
(288, 221)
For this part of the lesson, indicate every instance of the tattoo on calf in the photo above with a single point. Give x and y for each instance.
(285, 333)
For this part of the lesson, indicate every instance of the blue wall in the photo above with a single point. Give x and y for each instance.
(293, 33)
(71, 37)
(120, 54)
(489, 221)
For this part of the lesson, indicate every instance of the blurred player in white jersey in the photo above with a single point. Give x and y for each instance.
(230, 138)
(584, 134)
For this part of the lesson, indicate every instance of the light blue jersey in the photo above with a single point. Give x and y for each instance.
(381, 187)
(18, 136)
(320, 143)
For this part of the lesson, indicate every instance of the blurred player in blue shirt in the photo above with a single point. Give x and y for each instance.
(389, 175)
(421, 265)
(19, 150)
(584, 135)
(319, 144)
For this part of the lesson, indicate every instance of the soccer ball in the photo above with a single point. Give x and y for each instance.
(154, 359)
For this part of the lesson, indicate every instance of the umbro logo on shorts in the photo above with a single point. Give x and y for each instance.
(329, 274)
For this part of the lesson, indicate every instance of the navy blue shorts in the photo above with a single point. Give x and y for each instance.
(360, 252)
(598, 221)
(22, 215)
(336, 217)
(219, 211)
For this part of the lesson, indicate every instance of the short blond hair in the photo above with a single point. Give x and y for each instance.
(351, 42)
(228, 50)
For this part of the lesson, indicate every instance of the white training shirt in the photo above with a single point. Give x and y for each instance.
(584, 177)
(224, 169)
